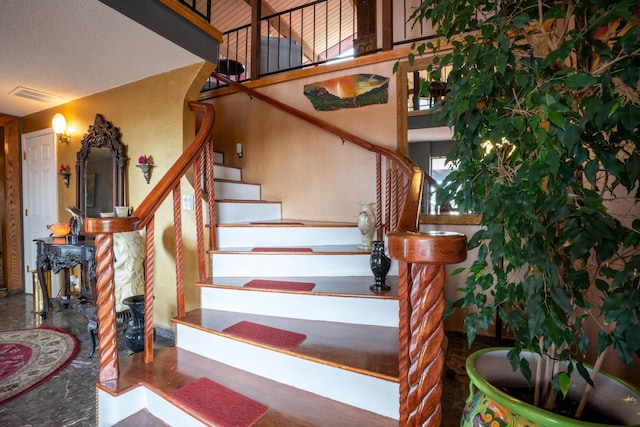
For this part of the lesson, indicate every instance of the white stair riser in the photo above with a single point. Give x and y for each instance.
(116, 408)
(229, 212)
(287, 236)
(287, 265)
(218, 157)
(237, 191)
(226, 172)
(364, 311)
(373, 394)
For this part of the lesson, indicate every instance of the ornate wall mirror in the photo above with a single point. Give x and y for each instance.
(100, 169)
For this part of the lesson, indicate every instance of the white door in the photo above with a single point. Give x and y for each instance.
(39, 195)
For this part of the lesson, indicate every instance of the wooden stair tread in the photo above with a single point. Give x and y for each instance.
(357, 286)
(290, 223)
(141, 418)
(245, 201)
(316, 250)
(365, 349)
(235, 181)
(173, 368)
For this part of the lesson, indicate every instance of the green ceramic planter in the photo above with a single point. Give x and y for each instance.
(489, 406)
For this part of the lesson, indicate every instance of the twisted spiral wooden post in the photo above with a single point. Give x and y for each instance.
(379, 219)
(199, 219)
(103, 229)
(149, 292)
(177, 237)
(213, 237)
(106, 302)
(423, 257)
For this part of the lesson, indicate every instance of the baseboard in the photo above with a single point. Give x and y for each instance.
(166, 333)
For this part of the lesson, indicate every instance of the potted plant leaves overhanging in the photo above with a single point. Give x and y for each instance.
(544, 101)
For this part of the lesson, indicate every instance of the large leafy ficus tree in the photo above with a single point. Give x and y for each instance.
(543, 98)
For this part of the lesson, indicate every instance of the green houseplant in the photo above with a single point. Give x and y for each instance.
(545, 106)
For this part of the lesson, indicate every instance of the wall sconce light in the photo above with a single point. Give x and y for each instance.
(239, 150)
(59, 124)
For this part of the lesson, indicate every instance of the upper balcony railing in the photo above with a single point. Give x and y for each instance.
(312, 34)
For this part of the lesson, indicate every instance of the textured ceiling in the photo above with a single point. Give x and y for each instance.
(74, 48)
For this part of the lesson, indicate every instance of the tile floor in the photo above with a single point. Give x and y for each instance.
(69, 398)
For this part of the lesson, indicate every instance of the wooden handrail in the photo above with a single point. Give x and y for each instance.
(199, 151)
(410, 215)
(170, 180)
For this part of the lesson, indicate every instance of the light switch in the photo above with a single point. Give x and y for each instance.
(187, 202)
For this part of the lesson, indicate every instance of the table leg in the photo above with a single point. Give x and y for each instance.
(45, 293)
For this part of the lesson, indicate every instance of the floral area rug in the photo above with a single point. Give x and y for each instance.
(29, 357)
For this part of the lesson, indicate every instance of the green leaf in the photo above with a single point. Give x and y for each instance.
(564, 382)
(556, 118)
(584, 373)
(562, 300)
(580, 80)
(458, 271)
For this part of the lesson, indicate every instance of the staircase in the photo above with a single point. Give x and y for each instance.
(343, 372)
(329, 354)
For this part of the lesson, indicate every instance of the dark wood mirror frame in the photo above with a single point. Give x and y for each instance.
(101, 134)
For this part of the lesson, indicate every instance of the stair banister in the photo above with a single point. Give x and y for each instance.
(410, 214)
(422, 258)
(199, 154)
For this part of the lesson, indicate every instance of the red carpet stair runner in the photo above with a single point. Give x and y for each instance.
(266, 335)
(222, 406)
(218, 405)
(282, 285)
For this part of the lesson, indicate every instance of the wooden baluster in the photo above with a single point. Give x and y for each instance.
(387, 201)
(395, 199)
(149, 291)
(213, 236)
(379, 219)
(198, 182)
(106, 302)
(422, 257)
(177, 238)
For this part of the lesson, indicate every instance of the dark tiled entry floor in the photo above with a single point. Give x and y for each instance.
(69, 398)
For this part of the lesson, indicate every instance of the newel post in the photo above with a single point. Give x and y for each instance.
(422, 257)
(103, 229)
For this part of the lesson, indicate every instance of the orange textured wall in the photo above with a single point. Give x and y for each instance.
(313, 173)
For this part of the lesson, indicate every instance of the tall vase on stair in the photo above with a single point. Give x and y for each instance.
(380, 264)
(366, 225)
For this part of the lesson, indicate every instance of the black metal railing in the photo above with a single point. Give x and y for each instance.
(200, 7)
(304, 36)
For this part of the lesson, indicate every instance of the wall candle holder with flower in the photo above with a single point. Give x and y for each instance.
(145, 163)
(65, 173)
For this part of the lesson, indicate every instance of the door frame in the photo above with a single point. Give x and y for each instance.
(11, 213)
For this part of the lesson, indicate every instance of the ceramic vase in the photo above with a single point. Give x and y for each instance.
(366, 225)
(134, 334)
(380, 264)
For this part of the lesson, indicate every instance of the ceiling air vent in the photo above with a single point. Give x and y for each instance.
(35, 95)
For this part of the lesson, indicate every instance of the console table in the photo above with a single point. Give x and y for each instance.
(55, 254)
